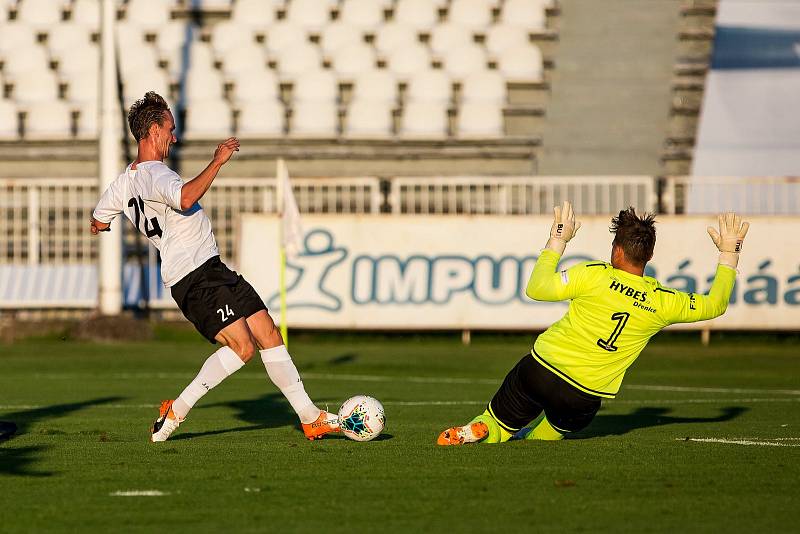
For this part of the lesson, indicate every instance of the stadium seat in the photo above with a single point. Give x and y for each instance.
(253, 13)
(315, 86)
(464, 60)
(484, 86)
(170, 42)
(249, 57)
(500, 37)
(480, 120)
(32, 87)
(430, 86)
(369, 119)
(88, 120)
(202, 85)
(208, 119)
(144, 81)
(147, 14)
(311, 15)
(421, 15)
(353, 58)
(201, 56)
(473, 14)
(28, 59)
(529, 14)
(259, 85)
(521, 63)
(41, 15)
(79, 60)
(144, 59)
(299, 58)
(8, 120)
(314, 119)
(86, 13)
(393, 35)
(228, 36)
(364, 14)
(338, 34)
(15, 37)
(409, 59)
(283, 35)
(83, 87)
(66, 36)
(261, 119)
(376, 86)
(447, 36)
(48, 120)
(424, 120)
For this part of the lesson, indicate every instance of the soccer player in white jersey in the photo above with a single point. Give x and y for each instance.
(221, 304)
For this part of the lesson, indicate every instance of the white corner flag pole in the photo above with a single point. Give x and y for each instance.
(110, 272)
(291, 234)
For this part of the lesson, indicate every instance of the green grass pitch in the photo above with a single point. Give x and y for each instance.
(240, 462)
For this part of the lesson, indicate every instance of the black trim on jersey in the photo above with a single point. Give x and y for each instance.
(665, 290)
(498, 421)
(603, 265)
(568, 378)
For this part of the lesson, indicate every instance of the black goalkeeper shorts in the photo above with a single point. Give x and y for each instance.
(213, 296)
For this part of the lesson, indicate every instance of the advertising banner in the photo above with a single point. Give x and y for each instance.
(446, 272)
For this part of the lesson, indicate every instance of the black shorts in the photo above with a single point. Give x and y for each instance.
(529, 388)
(212, 297)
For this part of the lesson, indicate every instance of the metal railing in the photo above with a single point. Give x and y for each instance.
(748, 196)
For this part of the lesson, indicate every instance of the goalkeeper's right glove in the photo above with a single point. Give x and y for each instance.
(729, 238)
(564, 228)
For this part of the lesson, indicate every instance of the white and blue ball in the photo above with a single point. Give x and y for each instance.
(361, 418)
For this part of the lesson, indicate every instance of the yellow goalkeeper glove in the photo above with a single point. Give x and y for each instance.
(729, 238)
(564, 227)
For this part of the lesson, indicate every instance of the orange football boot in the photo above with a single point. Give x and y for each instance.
(458, 435)
(325, 424)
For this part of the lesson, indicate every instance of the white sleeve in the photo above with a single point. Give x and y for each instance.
(110, 204)
(167, 185)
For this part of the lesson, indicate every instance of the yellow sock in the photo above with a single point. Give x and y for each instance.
(497, 434)
(544, 431)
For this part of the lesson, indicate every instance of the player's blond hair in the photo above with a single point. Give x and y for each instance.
(146, 111)
(635, 234)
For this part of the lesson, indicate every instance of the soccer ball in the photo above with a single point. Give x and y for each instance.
(361, 418)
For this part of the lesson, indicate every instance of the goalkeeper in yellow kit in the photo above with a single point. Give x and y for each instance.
(614, 310)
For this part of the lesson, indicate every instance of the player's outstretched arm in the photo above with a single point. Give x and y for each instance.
(194, 189)
(545, 283)
(729, 238)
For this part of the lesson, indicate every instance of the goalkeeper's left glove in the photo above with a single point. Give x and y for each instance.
(729, 238)
(564, 228)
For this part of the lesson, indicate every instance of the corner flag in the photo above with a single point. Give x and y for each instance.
(291, 234)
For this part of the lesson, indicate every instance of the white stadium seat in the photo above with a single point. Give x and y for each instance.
(484, 86)
(172, 36)
(393, 35)
(445, 37)
(30, 59)
(375, 85)
(228, 36)
(299, 58)
(369, 119)
(338, 34)
(409, 59)
(202, 85)
(311, 15)
(261, 119)
(424, 120)
(364, 14)
(283, 35)
(79, 60)
(201, 56)
(314, 119)
(83, 87)
(430, 86)
(48, 120)
(315, 86)
(503, 36)
(245, 58)
(420, 14)
(464, 60)
(260, 85)
(151, 80)
(474, 14)
(88, 115)
(33, 86)
(66, 36)
(351, 59)
(8, 120)
(208, 119)
(144, 59)
(86, 13)
(147, 14)
(39, 14)
(16, 37)
(253, 13)
(529, 14)
(480, 120)
(521, 63)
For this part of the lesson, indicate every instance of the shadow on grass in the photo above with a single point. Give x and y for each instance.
(20, 460)
(647, 417)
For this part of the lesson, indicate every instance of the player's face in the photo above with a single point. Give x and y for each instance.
(165, 134)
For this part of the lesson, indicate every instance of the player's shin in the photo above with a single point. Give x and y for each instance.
(544, 431)
(284, 375)
(216, 368)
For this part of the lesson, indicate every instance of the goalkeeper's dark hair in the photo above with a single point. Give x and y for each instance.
(146, 111)
(635, 234)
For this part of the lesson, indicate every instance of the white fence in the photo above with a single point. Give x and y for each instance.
(749, 196)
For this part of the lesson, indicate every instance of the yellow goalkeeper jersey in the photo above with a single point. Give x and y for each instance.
(611, 317)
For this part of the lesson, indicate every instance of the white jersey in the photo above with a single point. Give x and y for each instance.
(150, 196)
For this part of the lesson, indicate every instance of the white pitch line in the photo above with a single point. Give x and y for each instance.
(770, 443)
(139, 493)
(711, 390)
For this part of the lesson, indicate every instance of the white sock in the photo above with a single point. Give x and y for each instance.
(283, 373)
(217, 368)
